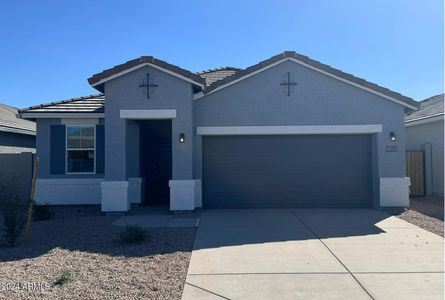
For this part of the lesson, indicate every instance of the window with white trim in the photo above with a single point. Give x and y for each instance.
(80, 148)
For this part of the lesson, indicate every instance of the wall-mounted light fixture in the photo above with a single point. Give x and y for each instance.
(182, 138)
(392, 136)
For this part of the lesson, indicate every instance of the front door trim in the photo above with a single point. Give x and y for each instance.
(147, 114)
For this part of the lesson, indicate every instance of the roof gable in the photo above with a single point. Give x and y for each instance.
(97, 80)
(317, 66)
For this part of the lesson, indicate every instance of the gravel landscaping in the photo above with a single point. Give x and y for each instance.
(423, 221)
(425, 212)
(78, 250)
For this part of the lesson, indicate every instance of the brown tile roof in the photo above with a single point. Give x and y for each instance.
(432, 106)
(315, 64)
(141, 60)
(212, 79)
(213, 75)
(85, 104)
(9, 120)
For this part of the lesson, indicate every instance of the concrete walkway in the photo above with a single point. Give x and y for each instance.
(156, 217)
(313, 254)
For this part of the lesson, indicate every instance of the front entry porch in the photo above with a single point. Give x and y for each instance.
(156, 164)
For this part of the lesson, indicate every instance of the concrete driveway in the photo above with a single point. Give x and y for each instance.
(313, 254)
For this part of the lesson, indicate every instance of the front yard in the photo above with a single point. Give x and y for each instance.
(75, 255)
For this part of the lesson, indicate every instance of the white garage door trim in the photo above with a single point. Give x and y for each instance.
(276, 130)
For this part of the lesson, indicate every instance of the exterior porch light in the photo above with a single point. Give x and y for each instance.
(182, 138)
(392, 136)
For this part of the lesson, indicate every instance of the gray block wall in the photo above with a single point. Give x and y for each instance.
(16, 143)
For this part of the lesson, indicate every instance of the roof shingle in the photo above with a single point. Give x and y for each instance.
(9, 119)
(429, 107)
(84, 104)
(213, 75)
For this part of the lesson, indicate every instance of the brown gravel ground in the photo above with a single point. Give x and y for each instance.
(81, 240)
(425, 212)
(423, 221)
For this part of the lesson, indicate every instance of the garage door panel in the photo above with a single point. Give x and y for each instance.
(286, 171)
(290, 179)
(298, 199)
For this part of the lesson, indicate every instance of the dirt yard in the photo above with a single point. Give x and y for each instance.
(80, 242)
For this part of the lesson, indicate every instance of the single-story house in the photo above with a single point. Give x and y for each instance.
(286, 132)
(424, 131)
(16, 135)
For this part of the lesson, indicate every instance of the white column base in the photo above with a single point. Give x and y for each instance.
(394, 191)
(185, 195)
(115, 196)
(135, 190)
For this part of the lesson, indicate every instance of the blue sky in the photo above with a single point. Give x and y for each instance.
(49, 48)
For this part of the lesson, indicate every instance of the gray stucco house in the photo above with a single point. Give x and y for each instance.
(286, 132)
(16, 135)
(425, 132)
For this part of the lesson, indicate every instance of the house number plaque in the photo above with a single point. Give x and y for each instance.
(392, 148)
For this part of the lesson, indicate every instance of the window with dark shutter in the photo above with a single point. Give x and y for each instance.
(80, 149)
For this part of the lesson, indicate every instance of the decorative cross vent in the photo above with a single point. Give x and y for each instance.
(288, 80)
(148, 86)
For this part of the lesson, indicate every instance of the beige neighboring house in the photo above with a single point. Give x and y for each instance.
(425, 131)
(16, 135)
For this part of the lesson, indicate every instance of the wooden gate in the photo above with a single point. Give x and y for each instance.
(415, 170)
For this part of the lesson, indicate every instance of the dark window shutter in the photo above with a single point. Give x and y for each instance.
(100, 149)
(57, 152)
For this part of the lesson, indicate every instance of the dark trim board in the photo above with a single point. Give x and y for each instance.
(287, 171)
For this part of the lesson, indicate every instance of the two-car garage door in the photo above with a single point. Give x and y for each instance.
(286, 171)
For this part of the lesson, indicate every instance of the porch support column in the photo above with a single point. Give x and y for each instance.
(115, 187)
(185, 191)
(185, 195)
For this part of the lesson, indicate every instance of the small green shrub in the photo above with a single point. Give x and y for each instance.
(132, 234)
(64, 277)
(12, 213)
(42, 212)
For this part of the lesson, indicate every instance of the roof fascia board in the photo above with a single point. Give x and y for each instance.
(16, 130)
(144, 65)
(61, 115)
(315, 69)
(424, 120)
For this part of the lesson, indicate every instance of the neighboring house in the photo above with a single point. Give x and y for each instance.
(17, 145)
(425, 131)
(16, 135)
(286, 132)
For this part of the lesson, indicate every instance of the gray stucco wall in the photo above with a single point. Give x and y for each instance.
(431, 133)
(317, 100)
(16, 143)
(43, 151)
(124, 93)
